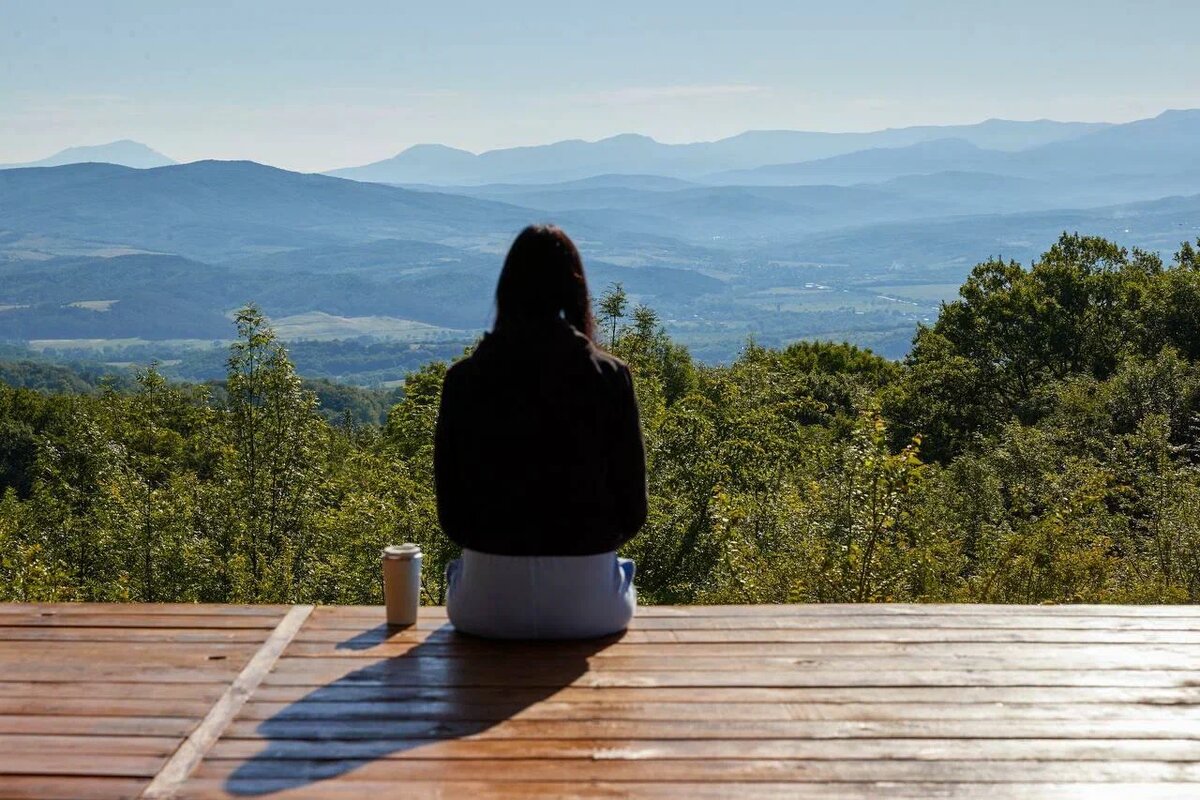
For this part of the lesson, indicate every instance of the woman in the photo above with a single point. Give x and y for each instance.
(538, 460)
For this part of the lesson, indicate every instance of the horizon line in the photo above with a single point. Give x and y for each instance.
(598, 140)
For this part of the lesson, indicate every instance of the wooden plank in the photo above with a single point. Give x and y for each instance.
(989, 634)
(920, 610)
(948, 650)
(207, 692)
(698, 711)
(463, 648)
(1100, 661)
(1150, 728)
(390, 674)
(25, 724)
(1187, 696)
(190, 753)
(68, 745)
(941, 695)
(166, 653)
(211, 789)
(58, 787)
(664, 749)
(110, 634)
(374, 614)
(810, 622)
(682, 659)
(1013, 621)
(352, 638)
(140, 620)
(104, 707)
(132, 648)
(682, 770)
(48, 671)
(104, 765)
(137, 609)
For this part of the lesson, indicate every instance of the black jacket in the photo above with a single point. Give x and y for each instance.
(538, 449)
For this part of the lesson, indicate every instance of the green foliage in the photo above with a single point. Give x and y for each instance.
(1041, 443)
(999, 352)
(50, 377)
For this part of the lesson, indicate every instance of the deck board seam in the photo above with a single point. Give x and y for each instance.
(183, 762)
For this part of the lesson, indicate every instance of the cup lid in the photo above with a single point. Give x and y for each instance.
(405, 551)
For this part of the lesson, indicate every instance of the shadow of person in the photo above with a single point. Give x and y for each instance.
(438, 687)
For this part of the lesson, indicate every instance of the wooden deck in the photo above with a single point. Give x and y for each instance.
(100, 701)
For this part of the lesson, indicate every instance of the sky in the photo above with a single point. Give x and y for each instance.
(319, 85)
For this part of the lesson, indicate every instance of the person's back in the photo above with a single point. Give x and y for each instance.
(539, 460)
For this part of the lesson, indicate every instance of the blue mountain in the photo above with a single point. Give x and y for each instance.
(125, 152)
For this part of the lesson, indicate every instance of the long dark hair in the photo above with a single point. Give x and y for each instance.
(543, 280)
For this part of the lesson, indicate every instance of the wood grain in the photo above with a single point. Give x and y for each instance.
(372, 614)
(94, 699)
(682, 770)
(838, 701)
(216, 789)
(655, 749)
(195, 747)
(384, 728)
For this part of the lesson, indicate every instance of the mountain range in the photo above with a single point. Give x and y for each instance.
(1162, 145)
(725, 240)
(631, 153)
(1037, 149)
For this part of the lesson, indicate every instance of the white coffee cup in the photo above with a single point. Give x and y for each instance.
(402, 582)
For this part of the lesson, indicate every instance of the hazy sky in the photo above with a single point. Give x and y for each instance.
(320, 85)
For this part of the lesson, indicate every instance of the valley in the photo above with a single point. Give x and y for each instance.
(771, 236)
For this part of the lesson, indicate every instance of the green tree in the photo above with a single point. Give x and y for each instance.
(612, 309)
(275, 429)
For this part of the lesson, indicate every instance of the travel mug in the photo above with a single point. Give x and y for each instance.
(402, 582)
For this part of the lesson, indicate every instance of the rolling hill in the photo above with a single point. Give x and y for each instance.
(211, 210)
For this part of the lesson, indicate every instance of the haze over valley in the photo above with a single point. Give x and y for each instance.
(115, 252)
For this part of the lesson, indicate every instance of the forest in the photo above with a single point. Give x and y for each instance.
(1039, 443)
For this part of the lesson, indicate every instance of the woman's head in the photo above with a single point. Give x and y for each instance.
(543, 280)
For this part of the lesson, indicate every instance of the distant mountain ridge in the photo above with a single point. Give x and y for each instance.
(1168, 144)
(875, 164)
(632, 153)
(125, 153)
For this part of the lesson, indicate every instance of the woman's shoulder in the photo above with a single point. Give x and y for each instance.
(458, 373)
(608, 360)
(612, 368)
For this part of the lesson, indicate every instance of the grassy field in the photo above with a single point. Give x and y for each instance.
(318, 325)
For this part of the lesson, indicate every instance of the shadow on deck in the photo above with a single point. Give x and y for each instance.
(428, 693)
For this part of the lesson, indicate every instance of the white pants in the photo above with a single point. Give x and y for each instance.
(540, 597)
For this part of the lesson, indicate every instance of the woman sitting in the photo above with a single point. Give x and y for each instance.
(539, 463)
